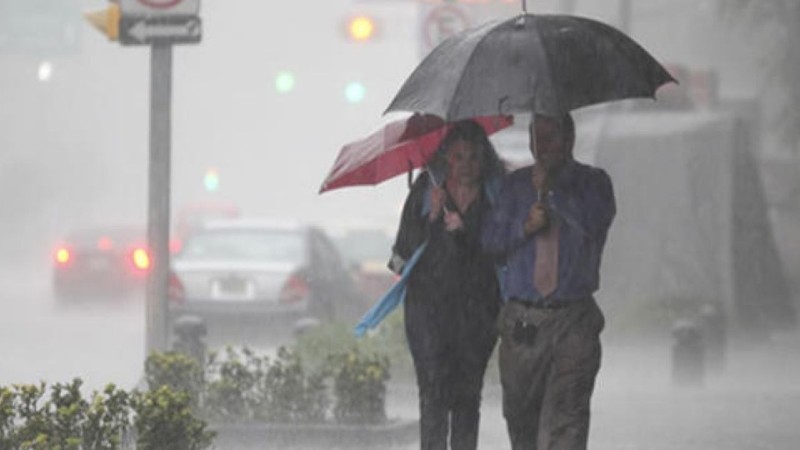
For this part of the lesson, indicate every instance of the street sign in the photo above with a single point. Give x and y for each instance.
(439, 22)
(159, 8)
(160, 30)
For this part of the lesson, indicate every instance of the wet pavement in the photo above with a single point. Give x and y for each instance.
(752, 404)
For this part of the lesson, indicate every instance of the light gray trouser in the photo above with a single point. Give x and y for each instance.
(548, 381)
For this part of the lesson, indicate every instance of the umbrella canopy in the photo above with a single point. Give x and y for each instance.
(547, 64)
(396, 148)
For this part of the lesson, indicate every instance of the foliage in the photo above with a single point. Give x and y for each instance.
(65, 420)
(389, 339)
(360, 387)
(244, 387)
(287, 394)
(175, 370)
(164, 421)
(229, 394)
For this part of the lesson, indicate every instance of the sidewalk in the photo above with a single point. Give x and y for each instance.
(753, 404)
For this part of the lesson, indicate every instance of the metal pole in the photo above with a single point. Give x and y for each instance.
(159, 196)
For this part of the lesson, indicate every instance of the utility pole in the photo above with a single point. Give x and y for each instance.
(158, 210)
(159, 24)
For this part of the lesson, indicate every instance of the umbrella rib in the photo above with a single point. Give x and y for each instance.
(490, 25)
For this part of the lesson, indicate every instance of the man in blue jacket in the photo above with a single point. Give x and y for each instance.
(547, 230)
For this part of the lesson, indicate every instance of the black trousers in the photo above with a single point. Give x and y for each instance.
(450, 350)
(549, 359)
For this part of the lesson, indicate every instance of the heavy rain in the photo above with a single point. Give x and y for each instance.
(698, 283)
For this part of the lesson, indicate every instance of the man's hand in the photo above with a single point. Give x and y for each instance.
(438, 196)
(538, 218)
(540, 179)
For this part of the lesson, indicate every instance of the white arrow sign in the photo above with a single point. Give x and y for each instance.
(144, 31)
(186, 29)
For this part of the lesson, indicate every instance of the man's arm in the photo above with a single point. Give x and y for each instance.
(501, 233)
(592, 210)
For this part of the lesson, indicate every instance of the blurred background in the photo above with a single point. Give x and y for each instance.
(707, 178)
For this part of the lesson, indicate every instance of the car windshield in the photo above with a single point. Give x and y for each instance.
(115, 236)
(285, 246)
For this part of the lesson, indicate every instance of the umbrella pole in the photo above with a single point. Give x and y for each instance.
(524, 6)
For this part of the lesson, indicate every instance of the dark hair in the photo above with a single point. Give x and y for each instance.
(468, 130)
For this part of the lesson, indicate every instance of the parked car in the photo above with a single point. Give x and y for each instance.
(367, 251)
(261, 274)
(192, 216)
(100, 260)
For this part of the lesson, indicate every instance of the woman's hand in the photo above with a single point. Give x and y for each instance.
(452, 221)
(438, 197)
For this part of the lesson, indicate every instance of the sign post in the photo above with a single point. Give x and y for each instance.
(159, 24)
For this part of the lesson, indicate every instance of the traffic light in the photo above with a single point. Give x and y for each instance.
(106, 20)
(355, 91)
(284, 82)
(211, 180)
(361, 28)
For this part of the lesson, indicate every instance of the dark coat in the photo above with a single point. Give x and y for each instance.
(452, 298)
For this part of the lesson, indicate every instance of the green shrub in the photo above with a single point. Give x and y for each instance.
(360, 387)
(65, 420)
(164, 421)
(107, 419)
(315, 345)
(177, 371)
(229, 394)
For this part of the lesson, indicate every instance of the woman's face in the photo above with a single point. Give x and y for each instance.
(464, 161)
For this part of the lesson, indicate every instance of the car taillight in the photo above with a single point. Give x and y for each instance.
(105, 243)
(63, 256)
(295, 289)
(175, 246)
(140, 259)
(175, 291)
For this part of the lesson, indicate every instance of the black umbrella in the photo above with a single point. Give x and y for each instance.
(548, 64)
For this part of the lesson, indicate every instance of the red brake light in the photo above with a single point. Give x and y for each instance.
(105, 243)
(175, 290)
(63, 256)
(140, 258)
(295, 289)
(175, 245)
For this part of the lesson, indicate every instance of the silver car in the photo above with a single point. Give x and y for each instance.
(262, 275)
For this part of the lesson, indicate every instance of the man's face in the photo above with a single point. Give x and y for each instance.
(547, 143)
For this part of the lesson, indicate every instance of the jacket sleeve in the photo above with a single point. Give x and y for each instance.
(501, 233)
(592, 211)
(414, 227)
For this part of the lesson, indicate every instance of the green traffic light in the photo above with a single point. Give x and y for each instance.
(284, 82)
(355, 92)
(211, 180)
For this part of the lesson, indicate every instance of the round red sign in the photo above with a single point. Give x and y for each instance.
(160, 4)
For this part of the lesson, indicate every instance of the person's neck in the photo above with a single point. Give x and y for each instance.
(462, 193)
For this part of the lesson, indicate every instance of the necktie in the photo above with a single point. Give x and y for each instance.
(545, 268)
